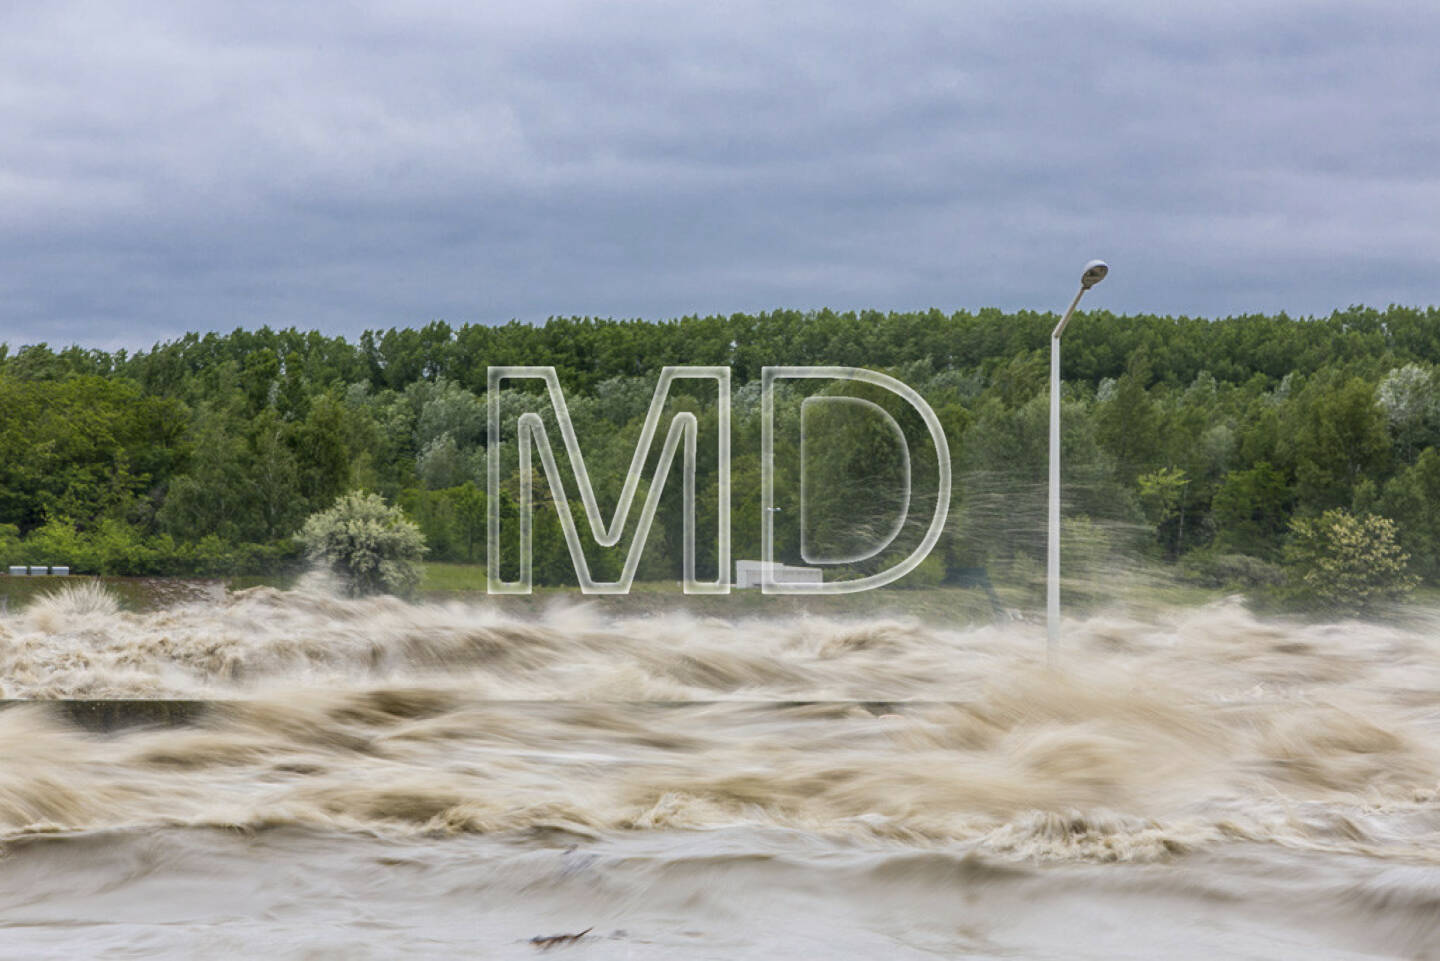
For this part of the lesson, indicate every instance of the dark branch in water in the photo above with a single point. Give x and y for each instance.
(547, 942)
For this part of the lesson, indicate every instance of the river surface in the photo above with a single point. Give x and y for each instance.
(381, 780)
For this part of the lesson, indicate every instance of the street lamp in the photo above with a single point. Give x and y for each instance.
(1095, 272)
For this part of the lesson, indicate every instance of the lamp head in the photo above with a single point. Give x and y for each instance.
(1095, 272)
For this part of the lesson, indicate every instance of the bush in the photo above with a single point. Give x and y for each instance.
(369, 545)
(1346, 562)
(113, 547)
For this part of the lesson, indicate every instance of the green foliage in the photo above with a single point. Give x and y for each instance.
(1162, 492)
(930, 573)
(84, 447)
(1001, 483)
(452, 520)
(1128, 420)
(370, 546)
(1412, 498)
(1251, 510)
(853, 477)
(1346, 562)
(10, 547)
(1411, 403)
(204, 454)
(1334, 436)
(1086, 547)
(441, 464)
(115, 547)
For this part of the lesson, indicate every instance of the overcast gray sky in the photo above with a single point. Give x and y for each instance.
(347, 165)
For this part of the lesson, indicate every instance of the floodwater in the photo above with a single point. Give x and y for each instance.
(451, 781)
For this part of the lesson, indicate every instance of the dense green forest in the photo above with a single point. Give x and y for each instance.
(1186, 440)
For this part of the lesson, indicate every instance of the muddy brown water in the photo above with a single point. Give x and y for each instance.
(372, 779)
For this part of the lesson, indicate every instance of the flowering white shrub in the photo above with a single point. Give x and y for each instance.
(371, 547)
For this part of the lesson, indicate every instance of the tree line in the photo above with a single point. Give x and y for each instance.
(1191, 441)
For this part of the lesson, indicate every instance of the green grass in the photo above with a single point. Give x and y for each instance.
(1137, 592)
(441, 576)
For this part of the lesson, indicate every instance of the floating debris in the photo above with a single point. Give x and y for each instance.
(554, 940)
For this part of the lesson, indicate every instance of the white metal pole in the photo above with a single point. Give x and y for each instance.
(1052, 578)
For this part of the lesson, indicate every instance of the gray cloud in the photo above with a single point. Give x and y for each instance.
(343, 166)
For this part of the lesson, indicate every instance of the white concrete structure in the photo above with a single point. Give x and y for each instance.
(39, 570)
(749, 573)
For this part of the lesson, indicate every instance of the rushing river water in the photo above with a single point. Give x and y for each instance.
(450, 781)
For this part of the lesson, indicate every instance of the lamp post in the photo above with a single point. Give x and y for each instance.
(1095, 272)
